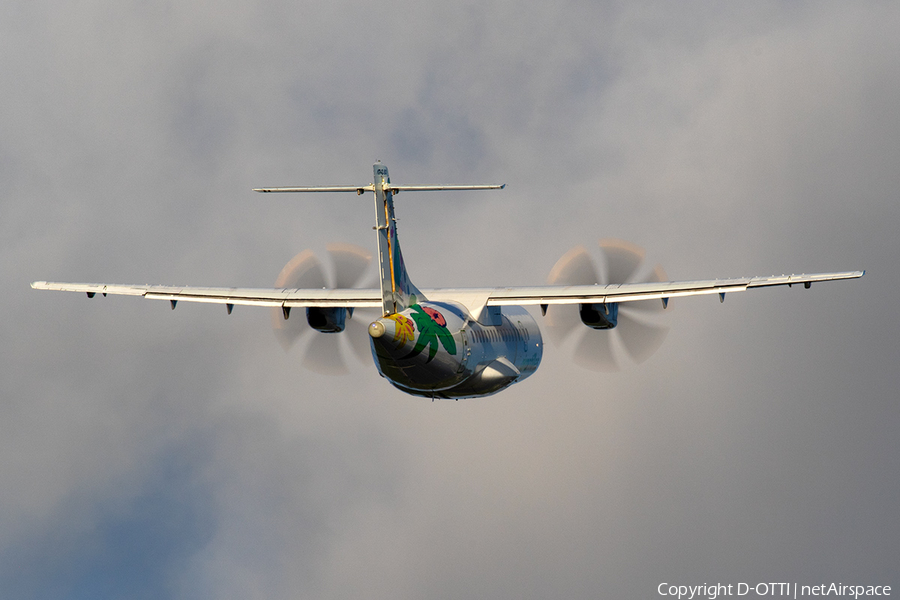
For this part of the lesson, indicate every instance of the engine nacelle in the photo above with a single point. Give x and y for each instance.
(599, 316)
(327, 320)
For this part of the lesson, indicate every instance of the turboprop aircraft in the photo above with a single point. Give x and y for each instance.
(459, 343)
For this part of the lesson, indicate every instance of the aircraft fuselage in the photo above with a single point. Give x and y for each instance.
(437, 350)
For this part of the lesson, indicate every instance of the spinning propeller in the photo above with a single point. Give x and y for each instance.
(323, 352)
(637, 334)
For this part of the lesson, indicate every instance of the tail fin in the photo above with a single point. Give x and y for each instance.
(398, 292)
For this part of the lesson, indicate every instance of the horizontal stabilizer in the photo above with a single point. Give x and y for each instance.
(359, 189)
(433, 188)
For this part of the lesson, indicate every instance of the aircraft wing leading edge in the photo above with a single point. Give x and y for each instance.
(243, 296)
(632, 292)
(475, 299)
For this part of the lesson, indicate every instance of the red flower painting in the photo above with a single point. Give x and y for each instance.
(435, 316)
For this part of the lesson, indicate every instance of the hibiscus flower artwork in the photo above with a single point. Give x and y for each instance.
(432, 328)
(436, 316)
(405, 331)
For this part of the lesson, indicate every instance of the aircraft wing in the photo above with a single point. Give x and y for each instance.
(230, 296)
(476, 299)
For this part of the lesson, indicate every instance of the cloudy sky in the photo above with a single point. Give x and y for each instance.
(146, 453)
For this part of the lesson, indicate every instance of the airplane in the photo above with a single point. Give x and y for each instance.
(448, 343)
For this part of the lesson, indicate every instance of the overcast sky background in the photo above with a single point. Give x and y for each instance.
(146, 453)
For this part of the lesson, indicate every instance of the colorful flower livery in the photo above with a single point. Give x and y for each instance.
(437, 350)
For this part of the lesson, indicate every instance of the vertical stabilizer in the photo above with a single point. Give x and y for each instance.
(397, 291)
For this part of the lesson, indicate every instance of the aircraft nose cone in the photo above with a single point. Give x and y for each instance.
(376, 329)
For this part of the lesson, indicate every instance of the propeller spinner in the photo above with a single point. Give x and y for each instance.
(636, 332)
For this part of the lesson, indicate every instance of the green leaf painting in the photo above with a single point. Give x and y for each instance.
(432, 329)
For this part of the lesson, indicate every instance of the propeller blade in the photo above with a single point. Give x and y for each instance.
(649, 306)
(594, 351)
(622, 260)
(302, 271)
(640, 339)
(350, 263)
(323, 351)
(574, 268)
(288, 332)
(356, 331)
(658, 274)
(561, 321)
(323, 354)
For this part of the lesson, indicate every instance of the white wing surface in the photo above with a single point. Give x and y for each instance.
(475, 299)
(244, 296)
(630, 292)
